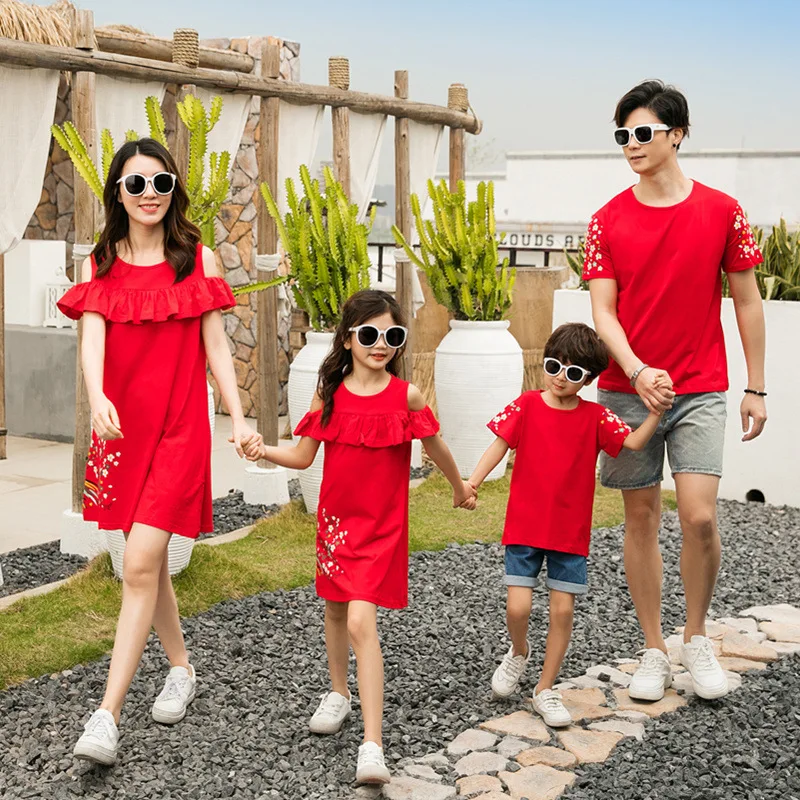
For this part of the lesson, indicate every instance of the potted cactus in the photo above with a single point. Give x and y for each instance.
(478, 366)
(326, 248)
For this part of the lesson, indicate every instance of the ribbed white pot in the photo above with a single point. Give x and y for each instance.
(478, 371)
(303, 379)
(179, 549)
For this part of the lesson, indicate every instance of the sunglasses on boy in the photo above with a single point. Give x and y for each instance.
(642, 133)
(572, 372)
(368, 335)
(135, 184)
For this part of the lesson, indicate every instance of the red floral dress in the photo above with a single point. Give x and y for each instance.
(362, 517)
(154, 373)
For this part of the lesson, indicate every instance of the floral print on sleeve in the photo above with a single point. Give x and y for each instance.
(508, 423)
(596, 258)
(742, 251)
(612, 432)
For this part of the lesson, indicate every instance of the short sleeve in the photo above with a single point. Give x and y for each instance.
(612, 432)
(597, 261)
(508, 423)
(741, 250)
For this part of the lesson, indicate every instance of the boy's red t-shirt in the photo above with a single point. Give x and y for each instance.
(668, 265)
(553, 480)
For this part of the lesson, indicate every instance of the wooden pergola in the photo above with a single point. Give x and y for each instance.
(182, 62)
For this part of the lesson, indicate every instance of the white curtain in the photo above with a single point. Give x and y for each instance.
(227, 133)
(366, 139)
(28, 100)
(424, 142)
(298, 137)
(119, 106)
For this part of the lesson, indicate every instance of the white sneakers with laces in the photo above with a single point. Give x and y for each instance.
(507, 676)
(333, 710)
(179, 690)
(709, 681)
(371, 767)
(99, 740)
(550, 707)
(653, 677)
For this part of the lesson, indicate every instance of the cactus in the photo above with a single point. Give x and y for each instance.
(779, 274)
(575, 263)
(326, 246)
(458, 253)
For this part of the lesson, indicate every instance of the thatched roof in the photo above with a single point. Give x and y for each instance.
(41, 24)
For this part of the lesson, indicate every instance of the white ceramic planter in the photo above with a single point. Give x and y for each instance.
(478, 371)
(303, 379)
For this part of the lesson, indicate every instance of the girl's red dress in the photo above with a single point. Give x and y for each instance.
(362, 517)
(154, 373)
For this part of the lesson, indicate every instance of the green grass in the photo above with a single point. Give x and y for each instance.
(75, 624)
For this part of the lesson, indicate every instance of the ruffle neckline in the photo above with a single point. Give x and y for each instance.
(369, 430)
(185, 300)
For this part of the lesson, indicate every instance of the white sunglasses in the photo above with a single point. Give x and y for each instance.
(642, 133)
(572, 372)
(135, 184)
(369, 335)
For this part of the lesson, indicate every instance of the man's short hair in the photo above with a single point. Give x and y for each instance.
(576, 343)
(665, 101)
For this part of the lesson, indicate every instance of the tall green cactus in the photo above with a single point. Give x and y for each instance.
(326, 245)
(458, 253)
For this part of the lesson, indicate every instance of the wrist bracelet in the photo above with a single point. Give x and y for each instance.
(635, 374)
(757, 393)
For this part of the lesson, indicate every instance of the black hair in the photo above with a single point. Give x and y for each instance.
(576, 343)
(665, 101)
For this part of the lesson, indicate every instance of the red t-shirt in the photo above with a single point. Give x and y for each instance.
(552, 484)
(667, 262)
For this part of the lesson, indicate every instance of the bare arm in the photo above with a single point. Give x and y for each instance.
(750, 321)
(489, 460)
(642, 435)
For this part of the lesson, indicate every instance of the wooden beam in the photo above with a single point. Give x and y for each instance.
(402, 183)
(3, 431)
(28, 54)
(457, 99)
(153, 47)
(339, 78)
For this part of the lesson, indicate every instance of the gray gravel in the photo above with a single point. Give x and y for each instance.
(261, 662)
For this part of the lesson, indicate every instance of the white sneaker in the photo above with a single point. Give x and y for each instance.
(333, 710)
(99, 740)
(371, 767)
(507, 676)
(170, 706)
(708, 679)
(549, 706)
(653, 677)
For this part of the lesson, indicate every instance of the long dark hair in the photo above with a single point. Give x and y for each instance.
(359, 308)
(180, 236)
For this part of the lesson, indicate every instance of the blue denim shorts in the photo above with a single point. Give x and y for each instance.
(693, 432)
(566, 572)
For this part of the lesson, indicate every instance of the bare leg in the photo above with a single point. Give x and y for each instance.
(562, 606)
(362, 625)
(700, 554)
(337, 643)
(643, 565)
(145, 551)
(167, 621)
(518, 612)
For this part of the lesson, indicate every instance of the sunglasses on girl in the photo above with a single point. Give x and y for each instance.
(368, 335)
(642, 133)
(135, 184)
(572, 372)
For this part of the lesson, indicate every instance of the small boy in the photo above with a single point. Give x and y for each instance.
(557, 437)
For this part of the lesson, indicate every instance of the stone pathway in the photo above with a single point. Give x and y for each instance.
(518, 756)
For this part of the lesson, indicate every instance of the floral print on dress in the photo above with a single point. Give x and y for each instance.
(510, 409)
(748, 249)
(97, 491)
(329, 539)
(593, 264)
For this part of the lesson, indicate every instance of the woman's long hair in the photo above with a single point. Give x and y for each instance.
(359, 308)
(180, 236)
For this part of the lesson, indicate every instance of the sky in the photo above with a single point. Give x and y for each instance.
(541, 75)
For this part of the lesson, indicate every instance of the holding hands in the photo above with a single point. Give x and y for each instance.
(654, 386)
(465, 496)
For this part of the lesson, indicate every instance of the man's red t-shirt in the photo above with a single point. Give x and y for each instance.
(667, 263)
(552, 484)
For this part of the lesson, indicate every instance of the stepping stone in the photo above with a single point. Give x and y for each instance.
(683, 683)
(670, 702)
(424, 772)
(587, 682)
(589, 747)
(549, 756)
(629, 667)
(470, 740)
(404, 787)
(369, 792)
(614, 676)
(435, 759)
(782, 612)
(560, 687)
(730, 664)
(480, 762)
(714, 629)
(521, 724)
(633, 730)
(493, 796)
(738, 645)
(781, 632)
(740, 624)
(676, 640)
(511, 746)
(586, 704)
(632, 716)
(785, 648)
(478, 784)
(537, 783)
(592, 696)
(626, 660)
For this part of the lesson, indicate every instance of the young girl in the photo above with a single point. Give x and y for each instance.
(151, 305)
(367, 418)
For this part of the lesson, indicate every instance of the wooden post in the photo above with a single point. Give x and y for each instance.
(339, 78)
(3, 431)
(185, 51)
(83, 116)
(402, 183)
(458, 99)
(267, 245)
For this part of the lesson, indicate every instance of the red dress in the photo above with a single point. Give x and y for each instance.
(154, 373)
(362, 517)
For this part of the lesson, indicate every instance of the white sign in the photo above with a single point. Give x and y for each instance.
(541, 241)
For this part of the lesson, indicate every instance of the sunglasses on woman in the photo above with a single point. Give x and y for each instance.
(368, 335)
(135, 184)
(642, 133)
(572, 372)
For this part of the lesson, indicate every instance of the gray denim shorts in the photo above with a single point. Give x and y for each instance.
(693, 431)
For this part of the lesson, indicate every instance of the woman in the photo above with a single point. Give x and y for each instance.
(151, 302)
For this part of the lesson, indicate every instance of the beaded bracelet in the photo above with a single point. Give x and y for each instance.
(753, 391)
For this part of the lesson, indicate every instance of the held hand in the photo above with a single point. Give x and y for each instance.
(753, 408)
(242, 432)
(253, 447)
(654, 386)
(465, 496)
(105, 420)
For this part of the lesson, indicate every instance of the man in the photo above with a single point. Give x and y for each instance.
(654, 257)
